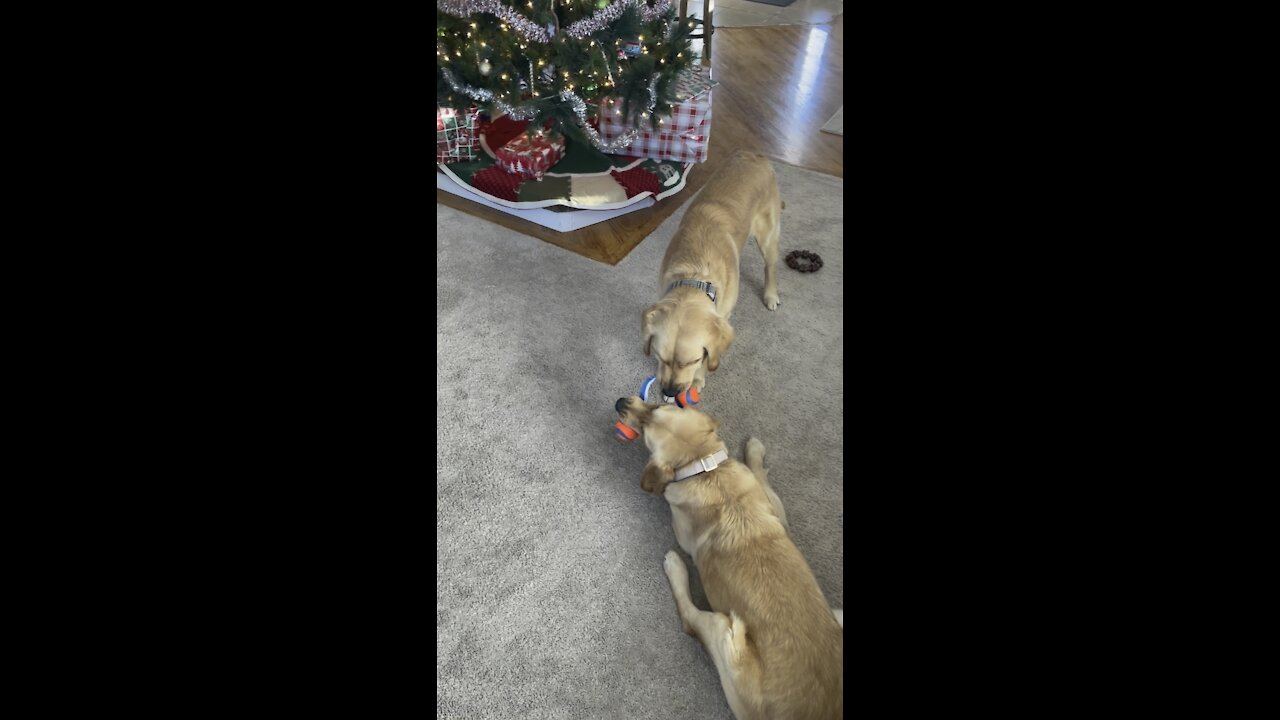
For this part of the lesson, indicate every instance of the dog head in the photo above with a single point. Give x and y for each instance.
(674, 436)
(684, 333)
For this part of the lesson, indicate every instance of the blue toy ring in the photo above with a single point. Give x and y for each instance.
(645, 387)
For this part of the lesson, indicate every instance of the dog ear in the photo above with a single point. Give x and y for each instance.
(648, 324)
(721, 337)
(656, 477)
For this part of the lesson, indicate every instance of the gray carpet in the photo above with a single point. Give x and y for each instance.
(550, 596)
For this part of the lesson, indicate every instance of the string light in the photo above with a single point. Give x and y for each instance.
(586, 74)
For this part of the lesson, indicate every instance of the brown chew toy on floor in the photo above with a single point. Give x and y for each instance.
(803, 261)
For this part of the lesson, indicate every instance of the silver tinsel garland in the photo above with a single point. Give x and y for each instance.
(533, 32)
(578, 104)
(602, 18)
(580, 109)
(475, 93)
(527, 28)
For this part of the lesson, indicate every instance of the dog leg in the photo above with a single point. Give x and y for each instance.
(724, 637)
(754, 457)
(768, 242)
(700, 376)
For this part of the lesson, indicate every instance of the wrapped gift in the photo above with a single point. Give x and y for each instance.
(681, 136)
(456, 134)
(531, 156)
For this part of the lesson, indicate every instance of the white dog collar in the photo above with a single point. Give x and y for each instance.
(706, 464)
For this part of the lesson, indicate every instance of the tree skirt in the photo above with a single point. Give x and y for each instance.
(584, 178)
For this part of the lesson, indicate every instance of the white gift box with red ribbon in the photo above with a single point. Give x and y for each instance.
(681, 136)
(456, 139)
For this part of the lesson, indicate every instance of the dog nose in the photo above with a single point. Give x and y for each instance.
(670, 391)
(620, 405)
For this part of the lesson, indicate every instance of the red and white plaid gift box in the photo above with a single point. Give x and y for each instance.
(456, 136)
(531, 157)
(681, 136)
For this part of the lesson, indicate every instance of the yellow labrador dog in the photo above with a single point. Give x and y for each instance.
(689, 327)
(778, 646)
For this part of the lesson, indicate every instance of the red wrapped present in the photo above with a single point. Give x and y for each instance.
(457, 138)
(531, 156)
(681, 136)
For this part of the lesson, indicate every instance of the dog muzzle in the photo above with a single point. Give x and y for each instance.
(688, 398)
(625, 433)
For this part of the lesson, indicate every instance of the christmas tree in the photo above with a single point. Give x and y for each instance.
(552, 61)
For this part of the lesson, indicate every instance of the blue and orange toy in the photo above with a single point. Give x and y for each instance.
(686, 399)
(623, 432)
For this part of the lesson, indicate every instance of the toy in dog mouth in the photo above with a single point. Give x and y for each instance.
(688, 398)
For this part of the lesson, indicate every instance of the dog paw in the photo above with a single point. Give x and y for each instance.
(771, 301)
(674, 566)
(755, 451)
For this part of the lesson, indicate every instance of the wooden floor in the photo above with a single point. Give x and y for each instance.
(778, 86)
